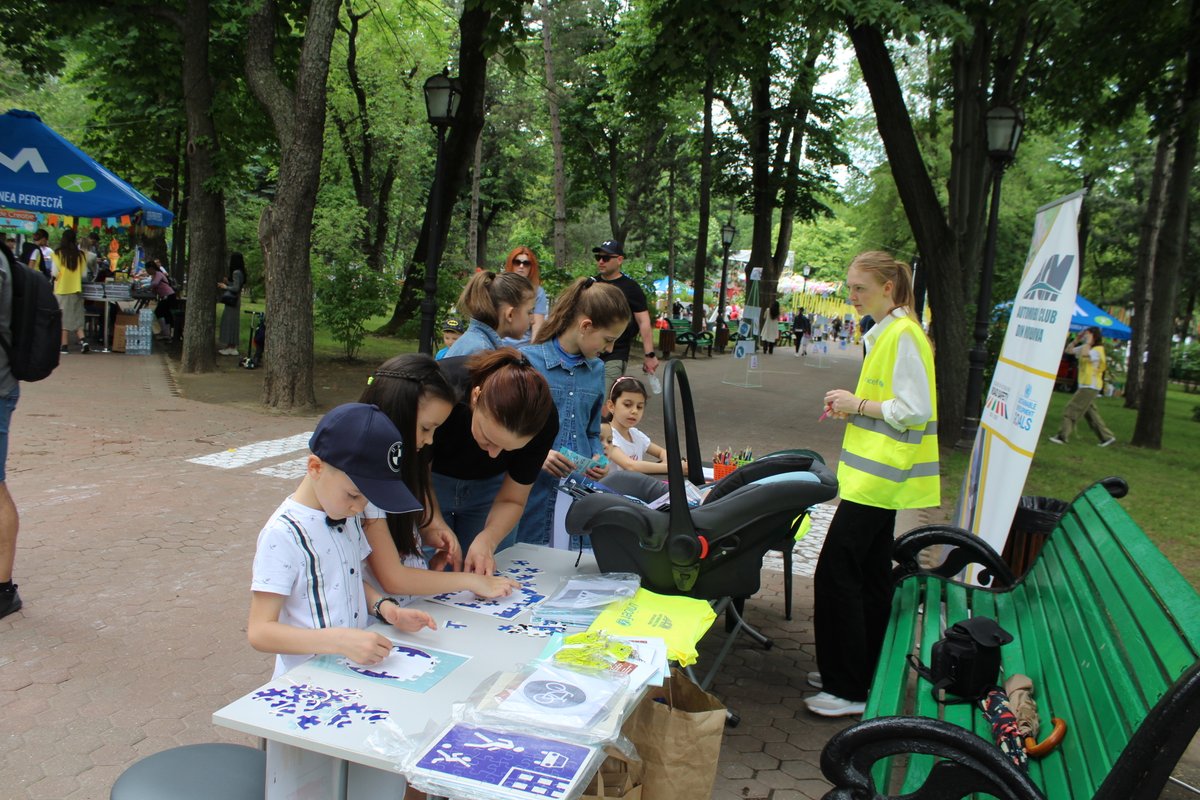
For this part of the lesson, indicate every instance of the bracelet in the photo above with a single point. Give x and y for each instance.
(651, 354)
(378, 603)
(861, 405)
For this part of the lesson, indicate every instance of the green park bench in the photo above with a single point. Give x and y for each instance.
(689, 339)
(1103, 623)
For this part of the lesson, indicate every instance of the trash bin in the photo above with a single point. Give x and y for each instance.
(666, 341)
(1036, 517)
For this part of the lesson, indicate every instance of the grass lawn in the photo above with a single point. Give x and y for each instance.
(1159, 480)
(375, 349)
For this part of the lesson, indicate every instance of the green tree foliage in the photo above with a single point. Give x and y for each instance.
(348, 294)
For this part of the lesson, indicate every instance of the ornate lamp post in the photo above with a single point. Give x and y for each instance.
(1004, 125)
(442, 94)
(728, 231)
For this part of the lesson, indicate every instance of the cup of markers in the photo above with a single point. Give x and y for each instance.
(726, 461)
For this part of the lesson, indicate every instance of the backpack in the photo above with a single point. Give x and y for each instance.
(966, 661)
(36, 326)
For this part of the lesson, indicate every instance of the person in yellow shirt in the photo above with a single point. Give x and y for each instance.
(1088, 348)
(67, 271)
(889, 461)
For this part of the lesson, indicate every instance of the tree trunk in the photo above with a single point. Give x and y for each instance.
(459, 152)
(935, 240)
(298, 116)
(206, 207)
(1147, 251)
(556, 142)
(1148, 429)
(704, 209)
(762, 198)
(475, 249)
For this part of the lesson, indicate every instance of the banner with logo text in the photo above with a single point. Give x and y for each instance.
(1019, 397)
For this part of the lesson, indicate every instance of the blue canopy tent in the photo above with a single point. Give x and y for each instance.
(1087, 314)
(41, 171)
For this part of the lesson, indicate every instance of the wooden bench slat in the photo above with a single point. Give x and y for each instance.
(933, 594)
(887, 686)
(1106, 613)
(1146, 582)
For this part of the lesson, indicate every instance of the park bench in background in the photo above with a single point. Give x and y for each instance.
(689, 339)
(1106, 627)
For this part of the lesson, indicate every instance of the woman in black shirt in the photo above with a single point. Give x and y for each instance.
(488, 452)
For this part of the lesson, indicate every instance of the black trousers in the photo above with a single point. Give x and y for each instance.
(852, 597)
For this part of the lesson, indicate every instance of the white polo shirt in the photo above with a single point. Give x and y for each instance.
(318, 568)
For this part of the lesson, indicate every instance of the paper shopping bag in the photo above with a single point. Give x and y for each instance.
(618, 778)
(677, 731)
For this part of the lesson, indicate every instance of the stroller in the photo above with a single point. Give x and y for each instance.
(256, 340)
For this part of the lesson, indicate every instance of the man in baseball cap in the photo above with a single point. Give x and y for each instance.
(610, 255)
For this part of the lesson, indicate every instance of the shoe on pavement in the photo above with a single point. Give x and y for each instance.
(1057, 440)
(84, 347)
(814, 680)
(1108, 441)
(828, 705)
(63, 350)
(9, 602)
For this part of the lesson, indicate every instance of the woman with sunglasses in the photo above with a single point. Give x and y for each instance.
(523, 262)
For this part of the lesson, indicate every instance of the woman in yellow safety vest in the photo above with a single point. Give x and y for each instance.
(889, 461)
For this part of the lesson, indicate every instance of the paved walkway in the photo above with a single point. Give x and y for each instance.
(134, 565)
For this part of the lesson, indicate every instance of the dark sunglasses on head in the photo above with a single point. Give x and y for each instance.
(522, 262)
(602, 257)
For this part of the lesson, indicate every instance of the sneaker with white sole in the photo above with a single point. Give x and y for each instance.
(814, 680)
(1108, 441)
(828, 705)
(1057, 440)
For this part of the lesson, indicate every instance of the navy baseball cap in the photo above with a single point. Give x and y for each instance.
(612, 247)
(453, 324)
(362, 442)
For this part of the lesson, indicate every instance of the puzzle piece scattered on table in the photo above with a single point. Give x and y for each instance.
(536, 631)
(451, 625)
(509, 607)
(315, 706)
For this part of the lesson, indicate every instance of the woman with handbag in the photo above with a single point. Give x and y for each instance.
(231, 297)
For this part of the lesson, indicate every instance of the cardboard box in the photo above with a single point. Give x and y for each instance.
(118, 342)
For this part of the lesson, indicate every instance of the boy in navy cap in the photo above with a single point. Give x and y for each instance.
(308, 596)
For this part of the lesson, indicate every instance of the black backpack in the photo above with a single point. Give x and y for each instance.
(36, 325)
(966, 661)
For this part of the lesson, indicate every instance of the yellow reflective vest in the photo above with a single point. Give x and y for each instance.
(881, 466)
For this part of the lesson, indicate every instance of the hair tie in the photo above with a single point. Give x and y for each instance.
(588, 281)
(523, 361)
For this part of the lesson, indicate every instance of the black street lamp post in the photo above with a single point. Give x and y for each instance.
(442, 94)
(728, 231)
(1004, 125)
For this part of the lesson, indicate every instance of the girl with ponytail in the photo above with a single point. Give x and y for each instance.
(889, 461)
(588, 317)
(499, 306)
(416, 396)
(488, 452)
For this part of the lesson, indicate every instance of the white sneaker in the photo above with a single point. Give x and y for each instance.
(828, 705)
(1105, 443)
(228, 351)
(1057, 440)
(814, 680)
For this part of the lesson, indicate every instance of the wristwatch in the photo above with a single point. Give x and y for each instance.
(378, 603)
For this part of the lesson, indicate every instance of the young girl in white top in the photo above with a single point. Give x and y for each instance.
(625, 407)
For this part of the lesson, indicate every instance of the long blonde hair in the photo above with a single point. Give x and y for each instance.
(603, 304)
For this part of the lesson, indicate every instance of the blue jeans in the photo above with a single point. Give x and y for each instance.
(8, 404)
(466, 504)
(537, 523)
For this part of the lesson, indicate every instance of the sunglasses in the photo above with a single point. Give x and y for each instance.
(522, 262)
(603, 257)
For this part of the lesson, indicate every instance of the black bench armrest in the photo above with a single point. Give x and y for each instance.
(971, 764)
(965, 548)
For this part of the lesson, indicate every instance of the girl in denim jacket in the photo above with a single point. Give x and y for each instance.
(499, 306)
(587, 319)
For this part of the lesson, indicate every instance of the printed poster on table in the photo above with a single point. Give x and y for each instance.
(416, 668)
(1016, 404)
(503, 763)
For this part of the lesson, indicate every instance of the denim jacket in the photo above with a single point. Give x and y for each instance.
(578, 395)
(478, 336)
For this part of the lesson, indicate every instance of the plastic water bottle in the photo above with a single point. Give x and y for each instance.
(655, 383)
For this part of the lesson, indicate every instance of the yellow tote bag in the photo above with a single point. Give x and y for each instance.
(679, 621)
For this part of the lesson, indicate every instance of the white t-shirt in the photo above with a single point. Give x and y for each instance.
(318, 569)
(635, 446)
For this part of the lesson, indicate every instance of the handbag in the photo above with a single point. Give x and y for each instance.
(229, 297)
(966, 661)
